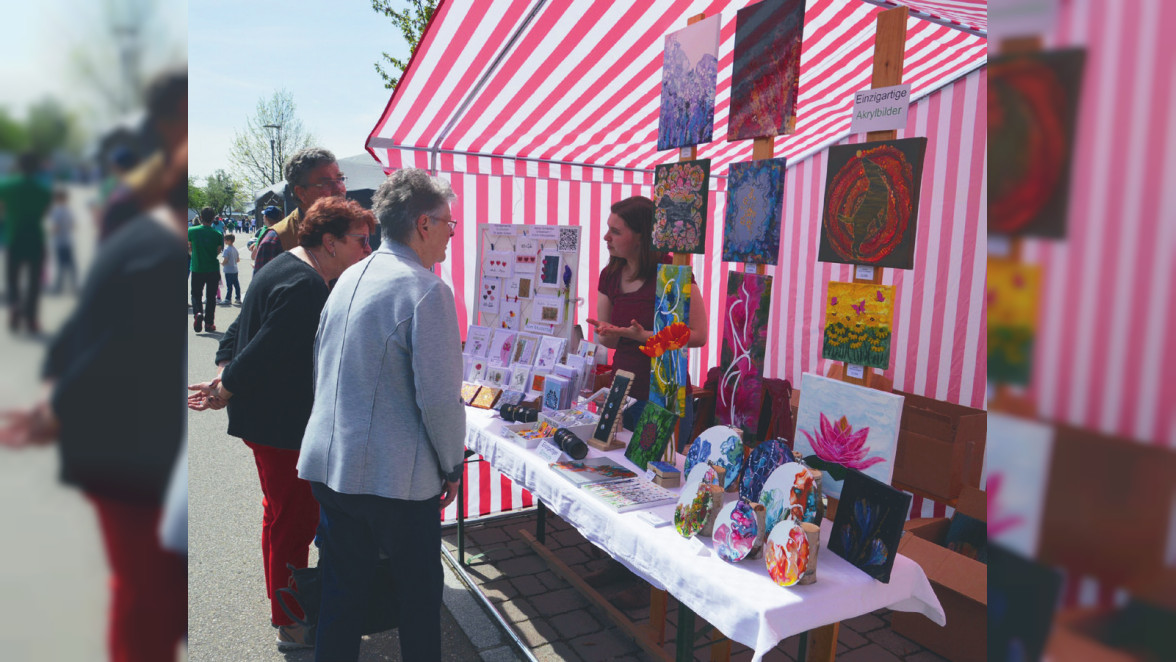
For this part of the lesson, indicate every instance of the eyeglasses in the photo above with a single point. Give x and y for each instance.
(363, 238)
(452, 224)
(341, 180)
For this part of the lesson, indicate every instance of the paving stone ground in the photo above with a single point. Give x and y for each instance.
(557, 623)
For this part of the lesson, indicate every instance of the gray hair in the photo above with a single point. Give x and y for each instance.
(302, 162)
(404, 197)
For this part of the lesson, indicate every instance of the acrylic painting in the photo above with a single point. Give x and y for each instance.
(786, 553)
(721, 446)
(868, 525)
(736, 529)
(694, 501)
(755, 201)
(765, 79)
(872, 203)
(760, 464)
(789, 493)
(680, 192)
(858, 322)
(1018, 455)
(1013, 295)
(670, 371)
(842, 426)
(745, 337)
(650, 435)
(690, 69)
(1033, 109)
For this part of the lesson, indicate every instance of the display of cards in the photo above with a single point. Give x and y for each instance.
(557, 391)
(498, 263)
(477, 341)
(490, 296)
(551, 350)
(592, 470)
(502, 346)
(630, 494)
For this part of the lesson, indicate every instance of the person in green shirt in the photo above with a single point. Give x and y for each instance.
(25, 199)
(205, 244)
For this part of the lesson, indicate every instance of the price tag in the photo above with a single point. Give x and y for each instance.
(549, 452)
(864, 273)
(649, 475)
(855, 371)
(685, 153)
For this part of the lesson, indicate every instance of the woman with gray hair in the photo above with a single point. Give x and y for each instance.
(384, 445)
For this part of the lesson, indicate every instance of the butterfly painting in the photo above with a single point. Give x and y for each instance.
(1013, 294)
(858, 322)
(650, 435)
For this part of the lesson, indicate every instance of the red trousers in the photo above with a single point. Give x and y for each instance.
(289, 519)
(148, 584)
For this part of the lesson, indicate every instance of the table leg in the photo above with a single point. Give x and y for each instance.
(657, 614)
(720, 647)
(824, 640)
(684, 641)
(541, 522)
(461, 557)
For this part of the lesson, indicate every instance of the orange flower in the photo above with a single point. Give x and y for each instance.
(674, 336)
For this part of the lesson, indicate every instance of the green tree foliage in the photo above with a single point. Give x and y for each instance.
(13, 135)
(220, 191)
(196, 195)
(411, 22)
(250, 151)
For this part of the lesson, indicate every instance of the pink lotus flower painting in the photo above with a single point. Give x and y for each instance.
(842, 426)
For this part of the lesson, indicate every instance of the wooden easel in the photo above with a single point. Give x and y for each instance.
(889, 54)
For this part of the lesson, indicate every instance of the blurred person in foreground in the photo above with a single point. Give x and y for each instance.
(311, 174)
(266, 378)
(205, 244)
(25, 199)
(145, 186)
(120, 346)
(383, 447)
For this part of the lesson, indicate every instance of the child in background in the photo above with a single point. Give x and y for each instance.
(230, 258)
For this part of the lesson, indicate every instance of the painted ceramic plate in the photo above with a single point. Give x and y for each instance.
(694, 503)
(789, 493)
(722, 447)
(786, 553)
(761, 463)
(735, 531)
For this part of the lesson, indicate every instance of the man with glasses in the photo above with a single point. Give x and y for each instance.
(384, 446)
(311, 174)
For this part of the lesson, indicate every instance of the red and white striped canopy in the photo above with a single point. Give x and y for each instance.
(579, 81)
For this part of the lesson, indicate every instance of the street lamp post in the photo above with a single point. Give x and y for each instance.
(273, 167)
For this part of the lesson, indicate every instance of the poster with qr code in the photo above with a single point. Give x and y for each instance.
(519, 293)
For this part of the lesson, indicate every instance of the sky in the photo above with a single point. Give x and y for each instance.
(322, 52)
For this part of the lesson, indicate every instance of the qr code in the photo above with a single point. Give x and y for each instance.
(569, 239)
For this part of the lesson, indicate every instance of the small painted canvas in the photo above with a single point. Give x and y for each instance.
(694, 502)
(786, 553)
(650, 435)
(872, 203)
(1013, 295)
(690, 68)
(1023, 600)
(760, 464)
(1032, 95)
(670, 372)
(478, 341)
(842, 426)
(736, 529)
(789, 493)
(745, 337)
(765, 79)
(755, 201)
(721, 446)
(502, 346)
(858, 322)
(680, 193)
(868, 525)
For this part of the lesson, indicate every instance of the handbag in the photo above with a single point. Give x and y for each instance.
(306, 590)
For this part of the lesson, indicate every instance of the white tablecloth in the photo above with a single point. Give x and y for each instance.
(740, 599)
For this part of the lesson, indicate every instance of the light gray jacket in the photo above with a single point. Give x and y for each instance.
(387, 417)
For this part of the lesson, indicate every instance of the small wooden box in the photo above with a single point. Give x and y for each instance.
(940, 448)
(666, 474)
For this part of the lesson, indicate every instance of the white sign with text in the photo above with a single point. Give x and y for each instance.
(881, 109)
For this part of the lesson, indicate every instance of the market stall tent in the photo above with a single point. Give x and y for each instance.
(545, 112)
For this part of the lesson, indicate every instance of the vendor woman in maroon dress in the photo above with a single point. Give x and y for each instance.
(625, 301)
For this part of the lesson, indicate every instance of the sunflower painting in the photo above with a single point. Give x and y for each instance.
(858, 321)
(1013, 290)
